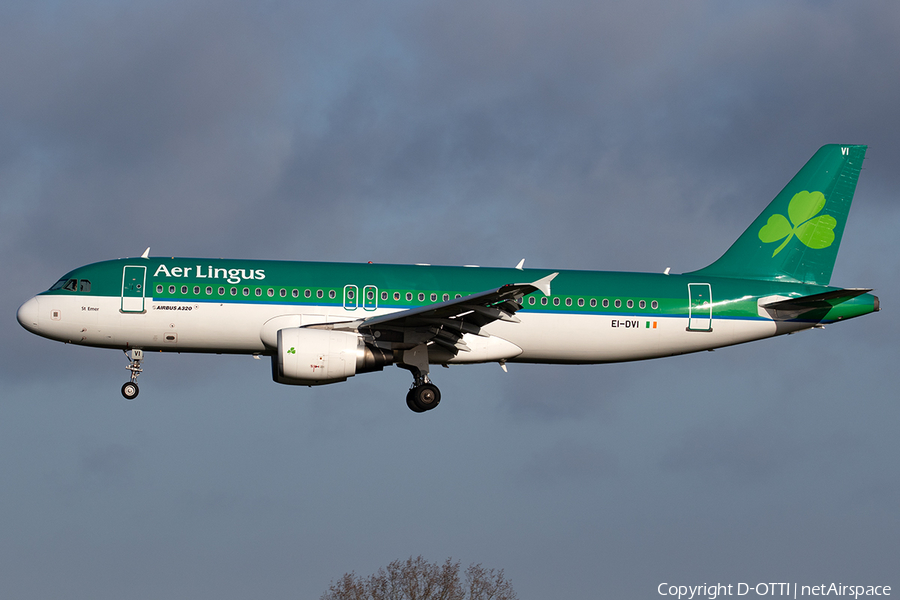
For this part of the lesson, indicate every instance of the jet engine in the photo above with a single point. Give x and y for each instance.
(319, 356)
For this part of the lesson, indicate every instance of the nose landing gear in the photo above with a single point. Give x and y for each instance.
(130, 390)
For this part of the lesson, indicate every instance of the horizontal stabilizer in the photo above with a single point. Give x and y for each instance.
(794, 308)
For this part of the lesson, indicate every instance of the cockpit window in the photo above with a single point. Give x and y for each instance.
(58, 285)
(84, 285)
(71, 285)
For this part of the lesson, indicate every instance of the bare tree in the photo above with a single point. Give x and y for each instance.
(418, 579)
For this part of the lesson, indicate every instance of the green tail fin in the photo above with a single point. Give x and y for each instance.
(796, 238)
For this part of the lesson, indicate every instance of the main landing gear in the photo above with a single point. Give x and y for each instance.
(130, 390)
(422, 395)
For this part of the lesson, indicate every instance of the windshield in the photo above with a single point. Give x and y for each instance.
(72, 285)
(58, 285)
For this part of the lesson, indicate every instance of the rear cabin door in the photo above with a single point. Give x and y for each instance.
(133, 280)
(700, 307)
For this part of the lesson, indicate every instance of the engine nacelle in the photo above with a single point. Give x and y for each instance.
(319, 356)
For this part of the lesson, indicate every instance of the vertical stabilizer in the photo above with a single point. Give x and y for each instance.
(796, 238)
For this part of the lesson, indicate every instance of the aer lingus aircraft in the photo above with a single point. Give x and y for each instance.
(324, 322)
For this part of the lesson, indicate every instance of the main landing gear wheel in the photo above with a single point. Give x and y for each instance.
(130, 390)
(423, 397)
(412, 404)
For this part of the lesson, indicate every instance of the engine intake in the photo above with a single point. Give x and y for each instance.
(320, 356)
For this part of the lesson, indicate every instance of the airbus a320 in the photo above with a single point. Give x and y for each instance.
(322, 323)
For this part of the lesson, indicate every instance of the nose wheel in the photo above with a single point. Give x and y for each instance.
(130, 389)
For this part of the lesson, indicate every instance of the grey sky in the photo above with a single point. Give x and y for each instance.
(621, 136)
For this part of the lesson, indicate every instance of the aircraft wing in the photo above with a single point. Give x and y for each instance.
(794, 308)
(445, 323)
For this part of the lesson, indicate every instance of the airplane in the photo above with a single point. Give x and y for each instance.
(322, 323)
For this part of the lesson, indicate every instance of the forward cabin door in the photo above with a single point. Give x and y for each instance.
(133, 283)
(699, 307)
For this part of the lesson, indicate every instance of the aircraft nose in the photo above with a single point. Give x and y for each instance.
(28, 315)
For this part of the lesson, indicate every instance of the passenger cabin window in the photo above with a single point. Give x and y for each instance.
(159, 289)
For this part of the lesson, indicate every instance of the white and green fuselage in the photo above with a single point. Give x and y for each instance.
(315, 318)
(191, 305)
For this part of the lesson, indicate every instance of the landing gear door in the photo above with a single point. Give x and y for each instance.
(699, 307)
(133, 283)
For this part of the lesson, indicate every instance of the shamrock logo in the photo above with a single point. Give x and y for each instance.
(815, 232)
